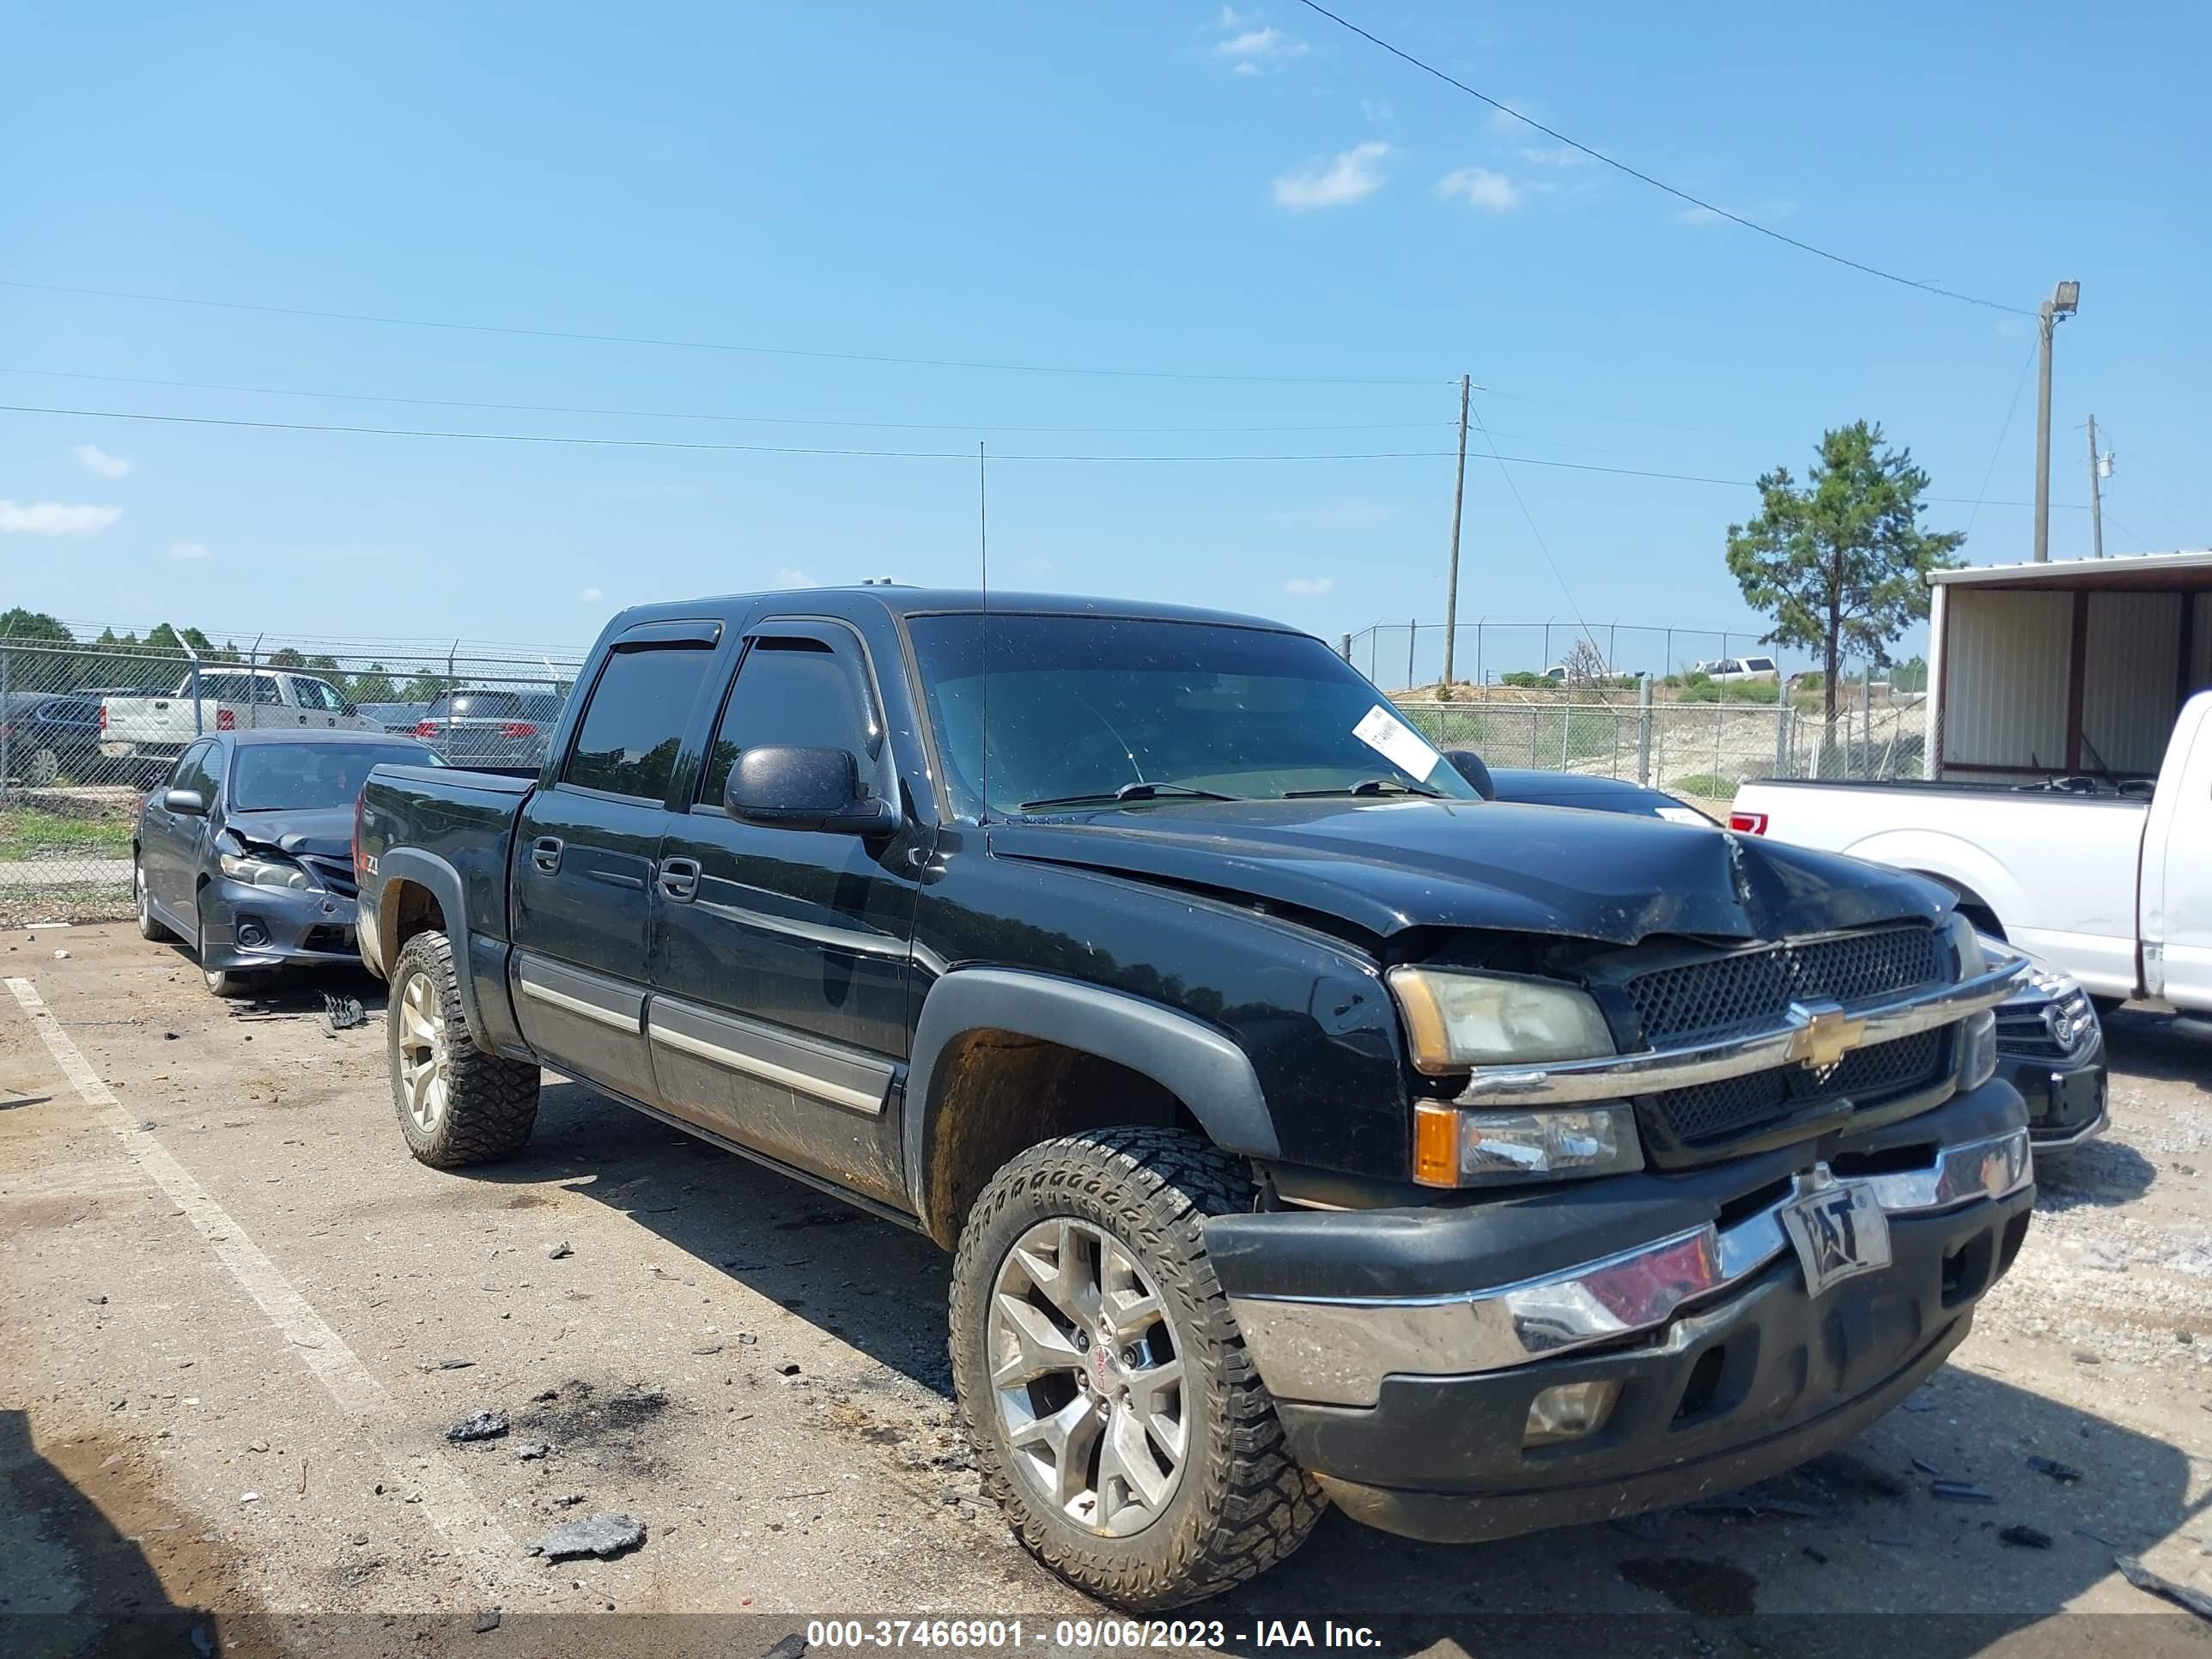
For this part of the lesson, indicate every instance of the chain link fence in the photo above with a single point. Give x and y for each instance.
(1485, 651)
(1700, 750)
(88, 728)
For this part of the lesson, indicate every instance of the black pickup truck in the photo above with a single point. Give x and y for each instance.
(1306, 1127)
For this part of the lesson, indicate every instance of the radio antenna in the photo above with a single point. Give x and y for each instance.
(983, 544)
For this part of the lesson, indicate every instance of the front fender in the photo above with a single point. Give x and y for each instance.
(1201, 1067)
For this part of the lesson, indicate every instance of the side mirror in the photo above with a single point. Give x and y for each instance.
(185, 803)
(784, 787)
(1468, 765)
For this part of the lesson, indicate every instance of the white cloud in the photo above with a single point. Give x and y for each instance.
(590, 596)
(1308, 588)
(1480, 188)
(97, 459)
(791, 578)
(1553, 155)
(1343, 179)
(54, 519)
(1508, 123)
(1374, 110)
(187, 551)
(1255, 51)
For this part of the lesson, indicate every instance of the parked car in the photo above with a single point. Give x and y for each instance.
(1303, 1125)
(487, 726)
(393, 716)
(1748, 671)
(247, 855)
(2105, 878)
(2051, 1045)
(228, 699)
(51, 736)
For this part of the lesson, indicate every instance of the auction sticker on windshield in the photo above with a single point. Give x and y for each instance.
(1396, 742)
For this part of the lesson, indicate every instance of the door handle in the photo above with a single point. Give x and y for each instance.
(679, 879)
(545, 854)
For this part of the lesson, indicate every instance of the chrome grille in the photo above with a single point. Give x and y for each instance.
(1752, 990)
(1711, 1113)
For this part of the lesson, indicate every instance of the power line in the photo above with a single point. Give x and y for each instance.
(1542, 547)
(694, 415)
(701, 345)
(587, 442)
(1660, 184)
(2003, 431)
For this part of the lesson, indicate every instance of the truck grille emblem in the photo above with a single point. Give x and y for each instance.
(1827, 1035)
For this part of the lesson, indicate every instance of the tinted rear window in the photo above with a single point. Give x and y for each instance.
(634, 723)
(476, 706)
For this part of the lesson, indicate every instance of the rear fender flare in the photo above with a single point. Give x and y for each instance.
(428, 871)
(1194, 1062)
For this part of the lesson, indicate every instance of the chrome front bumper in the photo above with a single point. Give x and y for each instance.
(1337, 1350)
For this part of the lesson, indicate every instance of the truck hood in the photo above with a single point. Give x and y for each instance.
(1385, 866)
(323, 831)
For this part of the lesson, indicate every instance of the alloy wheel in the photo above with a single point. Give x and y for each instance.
(1087, 1376)
(424, 1068)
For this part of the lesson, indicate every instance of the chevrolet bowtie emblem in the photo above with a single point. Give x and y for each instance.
(1827, 1035)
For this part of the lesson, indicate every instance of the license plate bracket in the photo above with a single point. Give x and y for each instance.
(1839, 1233)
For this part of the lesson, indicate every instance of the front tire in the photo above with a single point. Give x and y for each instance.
(149, 926)
(458, 1104)
(1117, 1419)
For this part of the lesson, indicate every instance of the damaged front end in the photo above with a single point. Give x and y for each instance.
(266, 903)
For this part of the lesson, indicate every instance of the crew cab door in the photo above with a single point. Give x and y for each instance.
(584, 855)
(779, 1014)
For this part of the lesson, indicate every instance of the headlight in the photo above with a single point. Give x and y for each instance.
(259, 872)
(1454, 1021)
(1457, 1148)
(1973, 960)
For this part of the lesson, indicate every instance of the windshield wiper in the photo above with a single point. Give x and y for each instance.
(1127, 792)
(1365, 787)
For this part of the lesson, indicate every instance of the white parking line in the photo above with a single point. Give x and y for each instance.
(452, 1505)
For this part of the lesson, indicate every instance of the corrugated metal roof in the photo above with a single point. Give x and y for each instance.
(2143, 572)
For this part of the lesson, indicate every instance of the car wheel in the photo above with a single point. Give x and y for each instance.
(45, 766)
(458, 1104)
(148, 927)
(220, 981)
(1117, 1419)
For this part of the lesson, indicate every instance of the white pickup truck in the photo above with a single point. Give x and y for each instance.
(155, 731)
(2108, 879)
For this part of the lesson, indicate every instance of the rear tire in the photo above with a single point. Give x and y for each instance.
(458, 1104)
(1114, 1219)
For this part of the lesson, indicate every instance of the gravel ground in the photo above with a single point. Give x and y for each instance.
(239, 1320)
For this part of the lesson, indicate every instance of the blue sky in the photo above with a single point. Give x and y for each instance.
(1161, 187)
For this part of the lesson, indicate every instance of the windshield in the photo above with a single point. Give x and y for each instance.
(1082, 708)
(267, 777)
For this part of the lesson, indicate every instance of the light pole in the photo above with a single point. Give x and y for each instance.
(2065, 300)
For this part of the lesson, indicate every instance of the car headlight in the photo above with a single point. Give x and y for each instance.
(257, 871)
(1454, 1021)
(1974, 960)
(1456, 1147)
(1977, 1049)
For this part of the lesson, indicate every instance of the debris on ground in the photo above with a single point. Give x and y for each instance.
(487, 1620)
(1759, 1503)
(2132, 1569)
(1927, 1468)
(343, 1012)
(453, 1364)
(2064, 1474)
(603, 1535)
(559, 1251)
(792, 1647)
(2024, 1537)
(1961, 1491)
(530, 1450)
(479, 1425)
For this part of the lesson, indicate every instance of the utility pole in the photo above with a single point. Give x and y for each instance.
(1451, 584)
(2096, 494)
(2063, 300)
